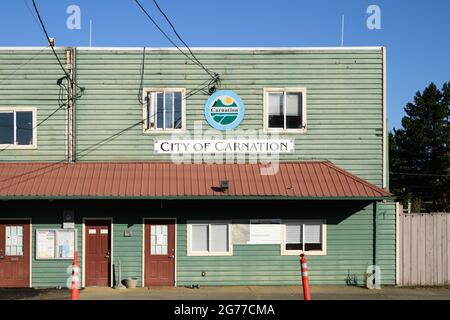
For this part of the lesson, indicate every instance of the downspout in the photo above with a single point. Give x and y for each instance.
(385, 170)
(71, 100)
(74, 103)
(68, 102)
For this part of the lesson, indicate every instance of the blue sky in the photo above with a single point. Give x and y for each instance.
(414, 32)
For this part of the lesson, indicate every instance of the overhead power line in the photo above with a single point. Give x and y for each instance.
(420, 174)
(32, 14)
(179, 37)
(53, 49)
(214, 76)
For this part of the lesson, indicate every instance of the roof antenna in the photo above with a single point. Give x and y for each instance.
(342, 31)
(90, 33)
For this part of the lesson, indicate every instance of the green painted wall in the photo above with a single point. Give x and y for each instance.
(350, 244)
(350, 249)
(344, 107)
(344, 100)
(344, 125)
(386, 240)
(28, 79)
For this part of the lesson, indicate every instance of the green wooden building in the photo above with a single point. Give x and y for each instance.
(138, 158)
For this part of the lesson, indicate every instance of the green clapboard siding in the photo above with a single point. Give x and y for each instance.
(28, 79)
(344, 107)
(350, 242)
(350, 248)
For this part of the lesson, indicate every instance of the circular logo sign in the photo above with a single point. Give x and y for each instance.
(224, 110)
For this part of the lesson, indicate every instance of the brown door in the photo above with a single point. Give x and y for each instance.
(98, 253)
(14, 254)
(159, 252)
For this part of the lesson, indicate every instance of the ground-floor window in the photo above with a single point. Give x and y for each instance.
(307, 236)
(209, 238)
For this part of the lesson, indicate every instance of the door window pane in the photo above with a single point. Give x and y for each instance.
(14, 241)
(6, 128)
(276, 110)
(199, 237)
(293, 110)
(159, 235)
(24, 125)
(219, 238)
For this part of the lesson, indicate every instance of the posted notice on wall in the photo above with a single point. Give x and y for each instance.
(265, 234)
(45, 244)
(66, 244)
(55, 243)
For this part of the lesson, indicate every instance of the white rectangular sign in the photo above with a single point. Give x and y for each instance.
(55, 243)
(45, 244)
(265, 234)
(250, 146)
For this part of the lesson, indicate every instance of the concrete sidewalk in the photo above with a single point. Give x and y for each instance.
(265, 293)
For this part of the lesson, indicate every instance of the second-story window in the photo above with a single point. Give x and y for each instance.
(17, 128)
(164, 110)
(285, 109)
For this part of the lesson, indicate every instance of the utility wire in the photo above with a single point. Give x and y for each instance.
(419, 174)
(181, 39)
(214, 76)
(52, 47)
(32, 14)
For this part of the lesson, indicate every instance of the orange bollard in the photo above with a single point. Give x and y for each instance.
(75, 277)
(305, 277)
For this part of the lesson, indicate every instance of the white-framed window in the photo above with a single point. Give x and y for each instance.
(209, 238)
(285, 110)
(164, 109)
(18, 128)
(304, 236)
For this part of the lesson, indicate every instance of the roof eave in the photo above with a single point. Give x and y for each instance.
(222, 197)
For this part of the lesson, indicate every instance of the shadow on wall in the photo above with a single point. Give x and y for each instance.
(129, 214)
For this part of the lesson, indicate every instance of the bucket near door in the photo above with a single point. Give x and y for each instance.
(131, 283)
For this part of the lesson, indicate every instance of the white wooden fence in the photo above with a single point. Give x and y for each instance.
(423, 249)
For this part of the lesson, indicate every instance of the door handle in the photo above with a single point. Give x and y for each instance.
(108, 255)
(172, 257)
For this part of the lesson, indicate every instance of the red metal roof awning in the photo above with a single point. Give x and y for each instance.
(293, 180)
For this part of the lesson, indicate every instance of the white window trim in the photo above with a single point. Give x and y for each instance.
(266, 92)
(34, 124)
(144, 110)
(191, 253)
(285, 252)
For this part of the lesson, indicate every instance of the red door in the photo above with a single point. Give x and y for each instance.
(159, 253)
(98, 253)
(14, 254)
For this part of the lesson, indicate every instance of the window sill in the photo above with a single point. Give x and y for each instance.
(299, 252)
(17, 147)
(287, 131)
(209, 254)
(163, 131)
